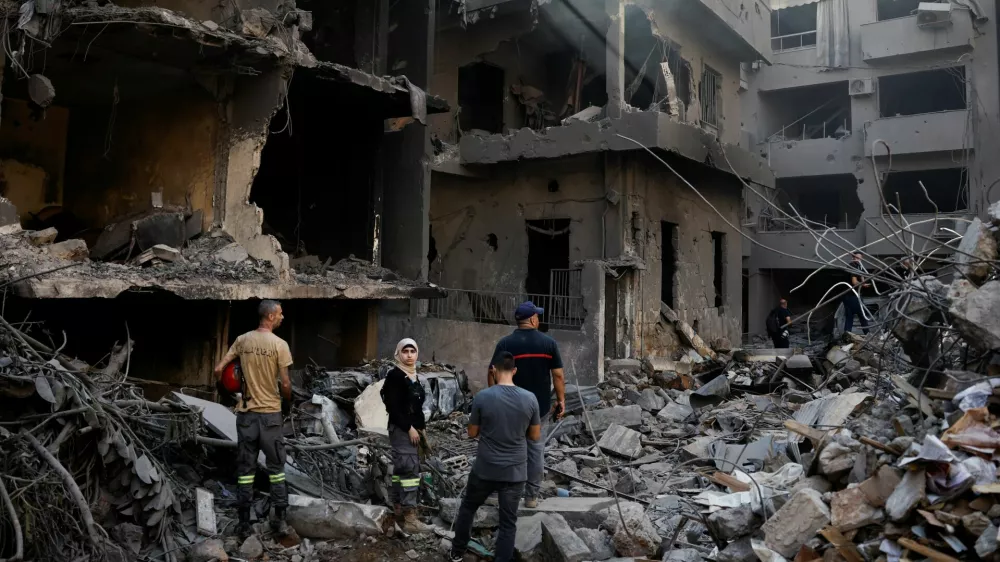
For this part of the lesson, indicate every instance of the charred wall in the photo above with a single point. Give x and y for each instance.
(118, 155)
(479, 226)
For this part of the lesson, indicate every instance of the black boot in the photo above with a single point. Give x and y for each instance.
(278, 523)
(243, 529)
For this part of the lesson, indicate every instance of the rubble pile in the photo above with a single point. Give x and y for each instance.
(92, 470)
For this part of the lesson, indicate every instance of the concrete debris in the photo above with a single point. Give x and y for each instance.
(976, 252)
(8, 213)
(598, 542)
(796, 522)
(233, 253)
(40, 90)
(42, 237)
(977, 316)
(632, 532)
(628, 416)
(328, 519)
(560, 542)
(733, 523)
(70, 250)
(251, 549)
(621, 441)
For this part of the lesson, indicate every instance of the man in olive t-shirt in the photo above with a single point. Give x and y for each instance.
(264, 360)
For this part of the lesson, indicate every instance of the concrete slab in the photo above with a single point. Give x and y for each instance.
(578, 512)
(560, 542)
(205, 511)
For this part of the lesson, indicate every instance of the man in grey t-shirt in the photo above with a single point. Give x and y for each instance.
(504, 417)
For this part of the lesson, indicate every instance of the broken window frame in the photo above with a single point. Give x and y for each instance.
(791, 38)
(882, 88)
(711, 106)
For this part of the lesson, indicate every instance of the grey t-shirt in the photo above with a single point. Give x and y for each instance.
(503, 414)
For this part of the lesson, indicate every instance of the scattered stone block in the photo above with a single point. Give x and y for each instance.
(880, 486)
(732, 523)
(683, 555)
(739, 550)
(599, 543)
(316, 518)
(796, 522)
(72, 250)
(850, 510)
(208, 551)
(907, 495)
(251, 549)
(205, 511)
(644, 540)
(977, 316)
(578, 512)
(621, 441)
(43, 237)
(623, 365)
(977, 249)
(560, 542)
(976, 523)
(8, 213)
(528, 540)
(674, 412)
(650, 401)
(986, 544)
(628, 416)
(231, 253)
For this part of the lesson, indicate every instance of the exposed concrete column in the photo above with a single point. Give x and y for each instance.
(615, 58)
(592, 286)
(760, 300)
(406, 154)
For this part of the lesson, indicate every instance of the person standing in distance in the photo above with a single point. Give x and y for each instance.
(506, 420)
(264, 358)
(539, 368)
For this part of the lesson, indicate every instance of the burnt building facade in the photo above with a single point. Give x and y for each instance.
(592, 160)
(166, 164)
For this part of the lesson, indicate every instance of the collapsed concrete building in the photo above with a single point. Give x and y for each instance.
(204, 155)
(552, 178)
(867, 104)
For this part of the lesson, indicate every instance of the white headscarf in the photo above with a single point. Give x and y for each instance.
(411, 371)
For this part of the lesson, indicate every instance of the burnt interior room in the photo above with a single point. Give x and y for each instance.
(564, 58)
(947, 190)
(172, 351)
(332, 35)
(794, 27)
(644, 55)
(824, 201)
(128, 120)
(480, 96)
(892, 9)
(928, 91)
(318, 170)
(810, 112)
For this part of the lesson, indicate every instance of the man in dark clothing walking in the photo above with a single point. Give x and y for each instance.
(264, 358)
(539, 368)
(505, 418)
(777, 324)
(852, 300)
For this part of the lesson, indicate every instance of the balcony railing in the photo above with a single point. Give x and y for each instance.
(793, 41)
(494, 307)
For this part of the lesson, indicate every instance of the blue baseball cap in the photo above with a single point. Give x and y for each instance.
(526, 310)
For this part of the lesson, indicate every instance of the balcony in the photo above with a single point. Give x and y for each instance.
(814, 157)
(743, 28)
(944, 131)
(902, 37)
(879, 232)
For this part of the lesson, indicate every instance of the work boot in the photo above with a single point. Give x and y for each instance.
(412, 525)
(243, 529)
(278, 523)
(531, 503)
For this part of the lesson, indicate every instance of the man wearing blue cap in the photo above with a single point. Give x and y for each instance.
(539, 368)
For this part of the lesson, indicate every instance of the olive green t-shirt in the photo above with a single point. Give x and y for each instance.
(262, 355)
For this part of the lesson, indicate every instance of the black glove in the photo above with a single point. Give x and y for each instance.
(286, 408)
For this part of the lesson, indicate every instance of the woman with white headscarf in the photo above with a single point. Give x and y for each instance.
(404, 396)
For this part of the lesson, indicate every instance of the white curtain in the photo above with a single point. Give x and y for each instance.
(833, 39)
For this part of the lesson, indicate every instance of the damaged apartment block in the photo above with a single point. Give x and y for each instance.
(586, 146)
(166, 163)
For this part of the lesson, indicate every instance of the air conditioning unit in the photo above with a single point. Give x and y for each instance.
(862, 87)
(933, 14)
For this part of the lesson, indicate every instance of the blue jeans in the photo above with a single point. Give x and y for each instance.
(509, 496)
(852, 307)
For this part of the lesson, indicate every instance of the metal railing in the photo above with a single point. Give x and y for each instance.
(565, 282)
(562, 312)
(711, 80)
(793, 41)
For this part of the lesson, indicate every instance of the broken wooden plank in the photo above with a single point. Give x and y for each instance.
(993, 488)
(814, 435)
(917, 398)
(732, 483)
(205, 509)
(844, 546)
(927, 551)
(881, 447)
